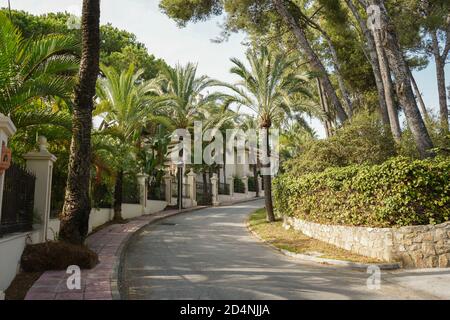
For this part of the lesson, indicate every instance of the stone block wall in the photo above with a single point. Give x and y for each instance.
(415, 246)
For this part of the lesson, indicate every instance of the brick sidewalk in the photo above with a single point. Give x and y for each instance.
(99, 283)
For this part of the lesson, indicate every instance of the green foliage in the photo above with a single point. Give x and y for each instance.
(119, 48)
(269, 88)
(184, 11)
(239, 186)
(399, 192)
(34, 68)
(102, 196)
(363, 140)
(252, 183)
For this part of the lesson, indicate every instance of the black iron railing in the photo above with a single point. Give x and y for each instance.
(204, 193)
(224, 188)
(239, 186)
(18, 200)
(251, 184)
(157, 192)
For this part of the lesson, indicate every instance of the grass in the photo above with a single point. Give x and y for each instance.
(297, 242)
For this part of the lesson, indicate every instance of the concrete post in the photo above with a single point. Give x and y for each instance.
(41, 164)
(192, 181)
(215, 189)
(245, 181)
(168, 185)
(7, 129)
(142, 182)
(230, 181)
(260, 190)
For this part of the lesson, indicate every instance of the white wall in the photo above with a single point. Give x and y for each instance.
(130, 211)
(99, 217)
(11, 248)
(154, 206)
(53, 229)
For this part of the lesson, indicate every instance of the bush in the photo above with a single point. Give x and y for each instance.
(54, 255)
(239, 186)
(398, 192)
(251, 184)
(364, 140)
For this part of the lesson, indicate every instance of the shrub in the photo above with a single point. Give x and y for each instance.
(364, 140)
(239, 186)
(251, 184)
(54, 255)
(398, 192)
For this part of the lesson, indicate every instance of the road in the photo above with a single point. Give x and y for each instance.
(209, 254)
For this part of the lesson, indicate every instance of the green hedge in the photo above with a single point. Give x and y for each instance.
(398, 192)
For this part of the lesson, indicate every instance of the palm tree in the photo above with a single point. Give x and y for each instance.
(33, 72)
(77, 205)
(183, 98)
(125, 102)
(272, 90)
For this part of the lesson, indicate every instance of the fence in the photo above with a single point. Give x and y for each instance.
(239, 186)
(157, 192)
(252, 184)
(130, 191)
(224, 188)
(18, 200)
(204, 193)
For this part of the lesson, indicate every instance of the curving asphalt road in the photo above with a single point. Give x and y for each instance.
(209, 254)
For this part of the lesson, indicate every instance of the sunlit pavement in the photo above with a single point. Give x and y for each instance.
(209, 254)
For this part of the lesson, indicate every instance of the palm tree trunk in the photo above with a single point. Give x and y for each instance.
(401, 72)
(77, 205)
(267, 178)
(118, 196)
(255, 177)
(315, 64)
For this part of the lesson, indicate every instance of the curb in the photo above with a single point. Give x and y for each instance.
(334, 262)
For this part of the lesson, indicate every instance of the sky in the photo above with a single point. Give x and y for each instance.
(193, 43)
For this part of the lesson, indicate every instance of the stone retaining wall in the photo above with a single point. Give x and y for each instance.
(416, 246)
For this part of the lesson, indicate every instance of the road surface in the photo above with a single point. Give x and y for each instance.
(209, 254)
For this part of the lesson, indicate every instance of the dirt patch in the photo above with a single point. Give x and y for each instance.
(295, 241)
(23, 282)
(55, 255)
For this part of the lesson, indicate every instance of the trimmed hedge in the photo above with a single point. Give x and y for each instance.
(399, 192)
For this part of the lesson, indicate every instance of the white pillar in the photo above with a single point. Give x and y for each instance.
(168, 185)
(142, 181)
(260, 191)
(245, 181)
(7, 129)
(192, 181)
(41, 164)
(215, 190)
(230, 182)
